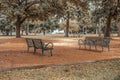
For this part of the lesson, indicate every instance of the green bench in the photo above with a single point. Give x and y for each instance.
(95, 41)
(39, 44)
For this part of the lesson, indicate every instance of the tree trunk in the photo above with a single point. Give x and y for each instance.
(67, 25)
(99, 30)
(19, 21)
(44, 32)
(107, 29)
(118, 23)
(22, 32)
(10, 30)
(7, 32)
(18, 24)
(27, 29)
(119, 32)
(18, 30)
(26, 32)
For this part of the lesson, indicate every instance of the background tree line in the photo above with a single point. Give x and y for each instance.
(101, 16)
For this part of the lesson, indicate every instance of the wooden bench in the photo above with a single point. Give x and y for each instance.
(95, 41)
(39, 44)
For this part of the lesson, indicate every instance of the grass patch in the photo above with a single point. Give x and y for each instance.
(101, 70)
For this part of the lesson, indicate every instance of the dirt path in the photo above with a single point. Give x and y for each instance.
(13, 53)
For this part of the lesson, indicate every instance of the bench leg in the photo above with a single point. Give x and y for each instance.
(80, 46)
(102, 48)
(28, 49)
(95, 47)
(108, 48)
(90, 47)
(42, 52)
(34, 50)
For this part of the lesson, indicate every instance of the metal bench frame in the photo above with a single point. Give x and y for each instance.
(39, 44)
(95, 41)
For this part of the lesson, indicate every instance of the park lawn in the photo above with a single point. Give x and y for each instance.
(100, 70)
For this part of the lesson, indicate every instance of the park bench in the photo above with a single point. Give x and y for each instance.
(39, 44)
(95, 41)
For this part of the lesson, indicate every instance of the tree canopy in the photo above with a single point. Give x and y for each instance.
(85, 11)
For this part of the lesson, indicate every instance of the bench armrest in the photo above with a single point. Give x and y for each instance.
(106, 42)
(81, 41)
(48, 45)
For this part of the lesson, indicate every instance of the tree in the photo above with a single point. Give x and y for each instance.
(118, 25)
(72, 12)
(73, 26)
(5, 26)
(20, 10)
(112, 12)
(107, 9)
(84, 19)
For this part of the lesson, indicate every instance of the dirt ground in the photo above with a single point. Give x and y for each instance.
(13, 53)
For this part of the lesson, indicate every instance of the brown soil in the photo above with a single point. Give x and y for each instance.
(13, 53)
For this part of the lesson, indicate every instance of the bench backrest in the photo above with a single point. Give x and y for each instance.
(104, 41)
(38, 43)
(93, 38)
(89, 39)
(29, 42)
